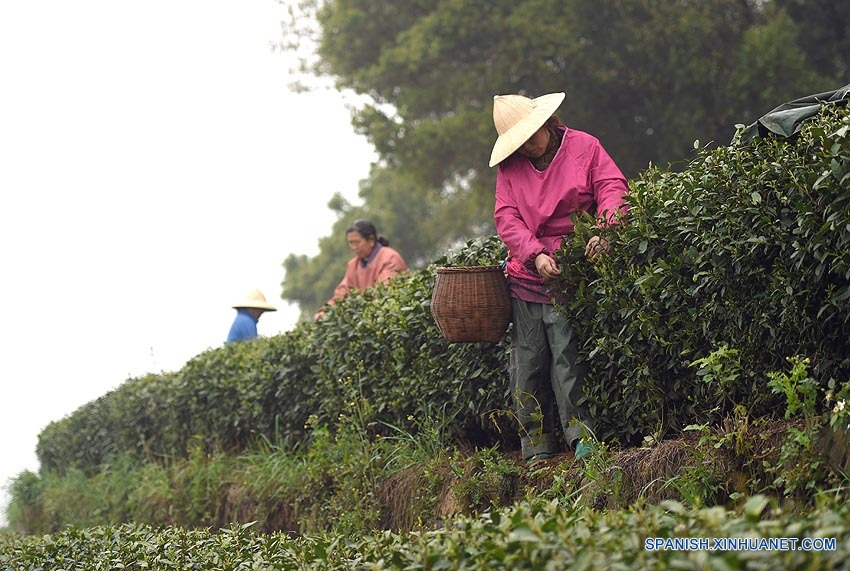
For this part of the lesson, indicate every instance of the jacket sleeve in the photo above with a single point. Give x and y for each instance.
(341, 290)
(609, 186)
(512, 229)
(344, 286)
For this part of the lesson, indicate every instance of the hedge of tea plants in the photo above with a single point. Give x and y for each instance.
(381, 345)
(721, 272)
(538, 535)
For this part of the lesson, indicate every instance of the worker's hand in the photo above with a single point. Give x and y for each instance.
(596, 246)
(546, 266)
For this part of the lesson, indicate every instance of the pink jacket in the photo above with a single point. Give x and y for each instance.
(533, 207)
(386, 264)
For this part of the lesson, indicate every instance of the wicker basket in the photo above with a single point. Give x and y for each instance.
(471, 304)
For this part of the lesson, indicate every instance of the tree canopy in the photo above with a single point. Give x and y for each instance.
(647, 77)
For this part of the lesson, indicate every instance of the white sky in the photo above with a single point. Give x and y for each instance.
(154, 167)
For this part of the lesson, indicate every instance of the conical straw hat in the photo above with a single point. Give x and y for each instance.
(255, 299)
(517, 118)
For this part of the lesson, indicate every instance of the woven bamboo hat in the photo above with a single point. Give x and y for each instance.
(256, 300)
(517, 118)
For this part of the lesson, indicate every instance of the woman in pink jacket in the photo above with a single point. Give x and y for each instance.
(546, 173)
(374, 261)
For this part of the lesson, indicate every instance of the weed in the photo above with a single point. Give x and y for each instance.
(798, 388)
(487, 480)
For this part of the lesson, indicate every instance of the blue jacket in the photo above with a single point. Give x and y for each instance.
(244, 327)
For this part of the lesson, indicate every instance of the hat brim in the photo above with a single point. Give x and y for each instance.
(255, 305)
(512, 139)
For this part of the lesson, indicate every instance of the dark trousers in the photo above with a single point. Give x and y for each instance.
(544, 374)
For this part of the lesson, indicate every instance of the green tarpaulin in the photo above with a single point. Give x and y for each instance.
(787, 119)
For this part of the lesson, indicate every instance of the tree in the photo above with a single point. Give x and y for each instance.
(824, 35)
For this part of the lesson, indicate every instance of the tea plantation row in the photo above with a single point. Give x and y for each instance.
(542, 535)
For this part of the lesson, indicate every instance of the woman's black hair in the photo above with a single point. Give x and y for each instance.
(366, 229)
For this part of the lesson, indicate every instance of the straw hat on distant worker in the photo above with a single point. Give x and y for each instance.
(248, 312)
(256, 300)
(517, 118)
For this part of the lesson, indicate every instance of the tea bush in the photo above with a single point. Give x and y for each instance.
(381, 344)
(745, 249)
(536, 535)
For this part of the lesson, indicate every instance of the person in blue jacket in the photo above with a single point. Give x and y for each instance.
(248, 313)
